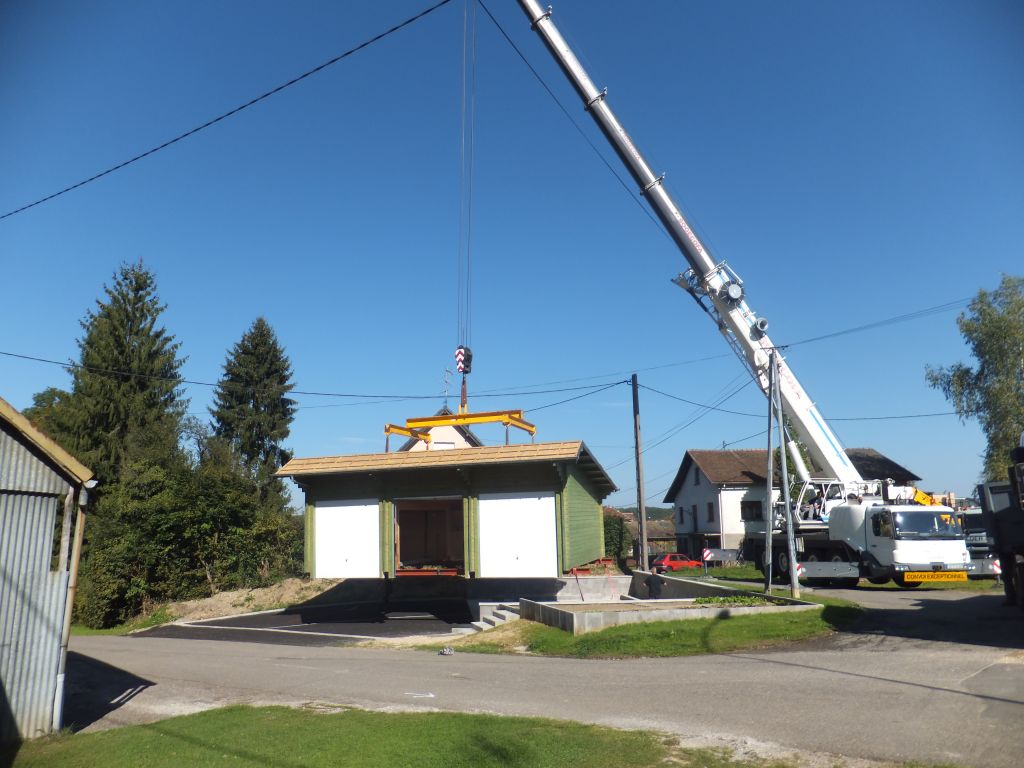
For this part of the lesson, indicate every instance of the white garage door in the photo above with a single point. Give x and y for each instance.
(347, 539)
(517, 535)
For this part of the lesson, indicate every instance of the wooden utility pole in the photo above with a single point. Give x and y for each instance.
(641, 509)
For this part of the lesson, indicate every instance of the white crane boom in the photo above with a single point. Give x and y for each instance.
(714, 286)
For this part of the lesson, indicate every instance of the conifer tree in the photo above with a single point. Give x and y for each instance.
(252, 410)
(126, 390)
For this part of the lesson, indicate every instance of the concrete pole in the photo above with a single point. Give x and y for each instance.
(641, 509)
(794, 584)
(769, 513)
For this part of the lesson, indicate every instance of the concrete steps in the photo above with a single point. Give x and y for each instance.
(494, 615)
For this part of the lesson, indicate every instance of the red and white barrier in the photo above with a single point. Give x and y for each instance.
(706, 555)
(800, 570)
(997, 569)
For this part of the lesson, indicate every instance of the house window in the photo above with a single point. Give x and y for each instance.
(711, 512)
(696, 476)
(682, 515)
(751, 510)
(695, 515)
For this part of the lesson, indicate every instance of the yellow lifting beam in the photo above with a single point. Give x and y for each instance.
(394, 429)
(418, 428)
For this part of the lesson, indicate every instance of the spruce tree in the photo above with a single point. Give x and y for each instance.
(252, 410)
(126, 389)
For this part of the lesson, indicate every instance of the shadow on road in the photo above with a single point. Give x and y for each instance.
(937, 615)
(92, 690)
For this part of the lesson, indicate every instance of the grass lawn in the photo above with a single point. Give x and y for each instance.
(290, 738)
(160, 616)
(666, 638)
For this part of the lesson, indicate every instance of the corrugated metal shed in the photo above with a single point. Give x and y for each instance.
(35, 476)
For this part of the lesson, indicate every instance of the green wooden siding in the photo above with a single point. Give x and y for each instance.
(309, 539)
(387, 536)
(578, 520)
(582, 524)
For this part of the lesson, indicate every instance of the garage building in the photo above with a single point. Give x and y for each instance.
(509, 511)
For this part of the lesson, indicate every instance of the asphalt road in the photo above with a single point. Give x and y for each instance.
(932, 676)
(326, 625)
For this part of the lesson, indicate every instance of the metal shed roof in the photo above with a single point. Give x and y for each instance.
(572, 451)
(63, 460)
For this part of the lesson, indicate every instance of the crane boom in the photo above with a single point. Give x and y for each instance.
(714, 285)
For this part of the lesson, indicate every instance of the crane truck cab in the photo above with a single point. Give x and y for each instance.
(909, 544)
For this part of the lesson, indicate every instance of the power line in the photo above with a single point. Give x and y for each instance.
(569, 400)
(379, 397)
(234, 111)
(699, 405)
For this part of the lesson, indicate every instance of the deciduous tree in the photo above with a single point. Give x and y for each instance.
(992, 391)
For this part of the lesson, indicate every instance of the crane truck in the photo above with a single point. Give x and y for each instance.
(1002, 508)
(867, 529)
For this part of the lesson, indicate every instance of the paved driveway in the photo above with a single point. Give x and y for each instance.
(327, 625)
(928, 676)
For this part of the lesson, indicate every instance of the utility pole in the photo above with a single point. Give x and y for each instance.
(641, 509)
(794, 583)
(769, 515)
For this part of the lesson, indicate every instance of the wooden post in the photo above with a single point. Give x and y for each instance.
(641, 508)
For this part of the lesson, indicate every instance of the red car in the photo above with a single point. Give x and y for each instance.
(673, 561)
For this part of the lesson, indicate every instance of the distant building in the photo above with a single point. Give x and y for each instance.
(714, 492)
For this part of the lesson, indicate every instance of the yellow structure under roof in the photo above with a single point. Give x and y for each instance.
(418, 428)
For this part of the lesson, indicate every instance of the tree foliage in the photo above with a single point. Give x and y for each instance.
(252, 410)
(992, 391)
(618, 541)
(126, 388)
(168, 523)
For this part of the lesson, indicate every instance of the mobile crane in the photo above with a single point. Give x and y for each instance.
(864, 531)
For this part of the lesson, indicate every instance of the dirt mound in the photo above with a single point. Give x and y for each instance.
(280, 595)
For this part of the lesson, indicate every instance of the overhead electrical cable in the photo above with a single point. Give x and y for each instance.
(377, 396)
(235, 111)
(577, 397)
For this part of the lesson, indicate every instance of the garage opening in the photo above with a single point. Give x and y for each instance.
(429, 538)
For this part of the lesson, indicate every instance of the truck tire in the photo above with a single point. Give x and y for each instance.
(1018, 583)
(902, 583)
(878, 579)
(780, 565)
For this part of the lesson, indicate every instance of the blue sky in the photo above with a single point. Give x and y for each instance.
(852, 162)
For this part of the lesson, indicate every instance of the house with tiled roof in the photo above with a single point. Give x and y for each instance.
(714, 492)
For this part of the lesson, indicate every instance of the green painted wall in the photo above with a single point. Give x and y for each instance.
(309, 542)
(387, 536)
(583, 524)
(579, 523)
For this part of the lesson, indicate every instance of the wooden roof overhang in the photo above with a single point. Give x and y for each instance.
(570, 452)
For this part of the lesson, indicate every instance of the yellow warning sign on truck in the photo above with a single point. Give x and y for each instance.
(935, 576)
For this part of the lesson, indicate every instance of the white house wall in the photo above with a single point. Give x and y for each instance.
(518, 535)
(728, 522)
(442, 438)
(347, 539)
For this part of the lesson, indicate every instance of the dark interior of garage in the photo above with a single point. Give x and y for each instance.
(429, 537)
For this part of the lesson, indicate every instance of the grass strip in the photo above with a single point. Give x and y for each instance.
(688, 637)
(290, 738)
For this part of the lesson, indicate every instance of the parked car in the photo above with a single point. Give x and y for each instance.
(674, 561)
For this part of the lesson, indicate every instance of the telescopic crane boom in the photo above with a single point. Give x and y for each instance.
(713, 284)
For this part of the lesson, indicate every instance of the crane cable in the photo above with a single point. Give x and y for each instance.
(466, 173)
